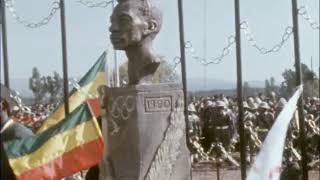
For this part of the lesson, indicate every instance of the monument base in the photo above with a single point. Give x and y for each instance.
(145, 134)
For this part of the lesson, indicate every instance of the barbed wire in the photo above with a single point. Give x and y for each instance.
(189, 49)
(10, 4)
(303, 12)
(275, 48)
(231, 40)
(176, 62)
(225, 51)
(92, 4)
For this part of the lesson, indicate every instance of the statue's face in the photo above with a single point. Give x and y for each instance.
(128, 26)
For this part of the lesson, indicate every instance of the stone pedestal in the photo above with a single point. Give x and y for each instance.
(145, 134)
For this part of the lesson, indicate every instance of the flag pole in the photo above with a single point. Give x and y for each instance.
(4, 44)
(299, 82)
(239, 91)
(64, 57)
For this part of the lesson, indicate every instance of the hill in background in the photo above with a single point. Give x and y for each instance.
(194, 85)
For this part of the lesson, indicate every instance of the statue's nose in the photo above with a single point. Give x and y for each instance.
(114, 27)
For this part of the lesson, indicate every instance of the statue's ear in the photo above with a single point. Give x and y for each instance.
(153, 27)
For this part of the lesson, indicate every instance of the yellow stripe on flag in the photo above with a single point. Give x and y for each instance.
(56, 146)
(74, 101)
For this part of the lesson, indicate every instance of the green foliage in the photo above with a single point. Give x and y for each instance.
(270, 86)
(41, 86)
(267, 87)
(37, 85)
(55, 85)
(311, 88)
(311, 83)
(247, 91)
(165, 73)
(273, 84)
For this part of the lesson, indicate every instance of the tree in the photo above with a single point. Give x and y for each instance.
(164, 74)
(54, 85)
(267, 87)
(246, 89)
(270, 86)
(310, 82)
(273, 84)
(287, 86)
(44, 87)
(38, 85)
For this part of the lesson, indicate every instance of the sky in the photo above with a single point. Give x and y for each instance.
(88, 37)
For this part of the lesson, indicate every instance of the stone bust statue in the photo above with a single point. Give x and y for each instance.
(134, 25)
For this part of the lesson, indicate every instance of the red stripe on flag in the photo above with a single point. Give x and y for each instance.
(80, 158)
(94, 107)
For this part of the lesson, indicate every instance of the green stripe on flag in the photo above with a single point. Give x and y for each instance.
(90, 76)
(28, 145)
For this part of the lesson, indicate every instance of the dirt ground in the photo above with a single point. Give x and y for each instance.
(207, 172)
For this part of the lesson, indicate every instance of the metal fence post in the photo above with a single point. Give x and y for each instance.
(239, 91)
(299, 82)
(4, 44)
(64, 57)
(183, 70)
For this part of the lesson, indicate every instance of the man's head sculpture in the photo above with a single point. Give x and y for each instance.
(134, 25)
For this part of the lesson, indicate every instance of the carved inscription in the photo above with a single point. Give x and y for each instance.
(158, 104)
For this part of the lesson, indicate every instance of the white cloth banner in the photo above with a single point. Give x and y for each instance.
(267, 166)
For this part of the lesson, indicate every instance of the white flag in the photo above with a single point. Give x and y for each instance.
(267, 166)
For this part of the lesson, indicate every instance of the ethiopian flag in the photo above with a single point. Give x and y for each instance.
(70, 146)
(94, 78)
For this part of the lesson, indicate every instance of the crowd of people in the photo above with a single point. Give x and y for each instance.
(33, 116)
(213, 122)
(213, 127)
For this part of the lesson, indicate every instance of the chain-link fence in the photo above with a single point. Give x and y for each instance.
(92, 4)
(55, 6)
(303, 12)
(249, 36)
(10, 4)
